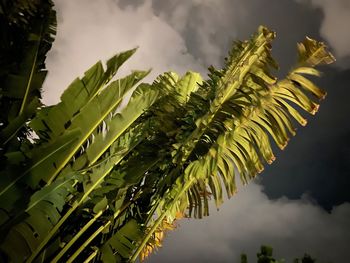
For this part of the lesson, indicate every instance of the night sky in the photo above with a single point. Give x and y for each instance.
(300, 203)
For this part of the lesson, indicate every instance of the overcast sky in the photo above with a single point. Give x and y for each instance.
(301, 203)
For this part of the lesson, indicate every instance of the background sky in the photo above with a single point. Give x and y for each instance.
(300, 203)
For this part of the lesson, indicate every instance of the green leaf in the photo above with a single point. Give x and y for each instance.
(312, 53)
(122, 243)
(308, 85)
(143, 97)
(50, 122)
(187, 84)
(88, 119)
(46, 154)
(101, 205)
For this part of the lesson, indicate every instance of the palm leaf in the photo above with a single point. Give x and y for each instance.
(118, 247)
(176, 143)
(11, 178)
(88, 119)
(51, 122)
(239, 119)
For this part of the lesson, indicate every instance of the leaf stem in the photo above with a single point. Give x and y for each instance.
(91, 257)
(99, 230)
(29, 82)
(75, 238)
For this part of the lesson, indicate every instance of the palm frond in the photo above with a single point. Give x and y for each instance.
(248, 107)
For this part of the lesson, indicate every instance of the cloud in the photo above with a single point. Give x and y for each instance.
(172, 35)
(90, 30)
(335, 26)
(249, 220)
(202, 22)
(209, 27)
(197, 21)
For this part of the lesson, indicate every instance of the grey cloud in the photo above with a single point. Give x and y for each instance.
(209, 27)
(251, 219)
(90, 30)
(172, 35)
(197, 21)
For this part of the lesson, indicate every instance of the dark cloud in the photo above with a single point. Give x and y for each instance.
(209, 27)
(317, 161)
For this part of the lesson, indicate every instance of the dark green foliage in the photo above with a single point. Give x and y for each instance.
(27, 30)
(244, 258)
(266, 256)
(305, 259)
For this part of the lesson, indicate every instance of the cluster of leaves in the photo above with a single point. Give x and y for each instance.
(27, 30)
(265, 256)
(101, 182)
